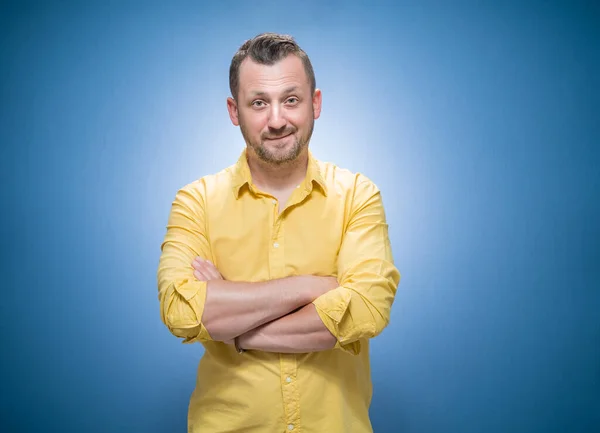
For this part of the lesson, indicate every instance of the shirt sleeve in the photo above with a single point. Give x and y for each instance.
(181, 296)
(360, 307)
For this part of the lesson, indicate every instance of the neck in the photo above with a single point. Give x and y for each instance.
(277, 177)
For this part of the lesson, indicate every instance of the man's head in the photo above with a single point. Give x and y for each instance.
(274, 97)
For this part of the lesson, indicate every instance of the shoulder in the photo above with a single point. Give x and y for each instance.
(209, 185)
(344, 181)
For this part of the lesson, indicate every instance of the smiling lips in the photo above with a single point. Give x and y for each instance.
(278, 138)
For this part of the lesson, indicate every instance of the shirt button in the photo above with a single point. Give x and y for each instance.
(288, 379)
(290, 427)
(274, 201)
(276, 245)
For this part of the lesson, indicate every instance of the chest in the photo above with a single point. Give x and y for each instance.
(257, 239)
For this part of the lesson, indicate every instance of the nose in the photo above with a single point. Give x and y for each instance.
(276, 118)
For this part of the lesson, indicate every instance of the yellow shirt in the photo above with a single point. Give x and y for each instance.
(333, 225)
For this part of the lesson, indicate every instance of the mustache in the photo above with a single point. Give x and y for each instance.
(287, 131)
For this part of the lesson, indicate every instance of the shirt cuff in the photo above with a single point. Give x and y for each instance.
(331, 308)
(194, 293)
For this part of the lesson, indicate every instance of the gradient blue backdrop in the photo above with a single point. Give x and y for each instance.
(480, 124)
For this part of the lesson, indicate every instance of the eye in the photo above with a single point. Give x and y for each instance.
(292, 100)
(258, 103)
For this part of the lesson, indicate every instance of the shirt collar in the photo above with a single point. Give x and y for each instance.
(242, 175)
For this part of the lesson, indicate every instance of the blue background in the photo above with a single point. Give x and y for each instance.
(479, 122)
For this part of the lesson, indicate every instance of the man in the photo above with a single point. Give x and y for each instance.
(280, 265)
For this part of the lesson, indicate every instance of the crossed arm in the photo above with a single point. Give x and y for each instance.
(295, 314)
(297, 332)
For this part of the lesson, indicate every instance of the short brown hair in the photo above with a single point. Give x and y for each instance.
(268, 49)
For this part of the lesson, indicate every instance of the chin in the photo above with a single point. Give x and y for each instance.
(279, 156)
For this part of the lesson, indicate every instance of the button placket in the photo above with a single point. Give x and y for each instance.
(277, 252)
(290, 390)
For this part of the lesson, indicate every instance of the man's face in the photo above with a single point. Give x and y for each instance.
(275, 109)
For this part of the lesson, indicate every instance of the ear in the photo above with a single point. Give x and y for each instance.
(233, 111)
(316, 101)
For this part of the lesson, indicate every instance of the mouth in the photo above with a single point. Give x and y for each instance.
(277, 138)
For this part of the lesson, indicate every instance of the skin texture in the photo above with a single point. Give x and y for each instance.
(234, 308)
(297, 332)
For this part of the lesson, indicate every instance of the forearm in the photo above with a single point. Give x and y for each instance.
(233, 308)
(298, 332)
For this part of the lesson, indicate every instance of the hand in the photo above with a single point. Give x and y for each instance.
(204, 270)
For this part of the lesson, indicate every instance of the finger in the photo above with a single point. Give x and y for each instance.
(209, 264)
(214, 274)
(212, 270)
(214, 266)
(199, 263)
(200, 276)
(209, 271)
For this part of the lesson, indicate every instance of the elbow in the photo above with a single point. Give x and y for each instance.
(379, 324)
(181, 326)
(187, 334)
(381, 310)
(372, 324)
(180, 314)
(376, 316)
(376, 319)
(381, 314)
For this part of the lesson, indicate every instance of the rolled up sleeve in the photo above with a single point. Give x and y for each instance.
(360, 307)
(181, 296)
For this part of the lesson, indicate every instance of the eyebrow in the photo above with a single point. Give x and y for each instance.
(260, 93)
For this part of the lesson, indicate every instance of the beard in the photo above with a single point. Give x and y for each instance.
(282, 156)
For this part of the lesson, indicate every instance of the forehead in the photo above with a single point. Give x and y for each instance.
(255, 77)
